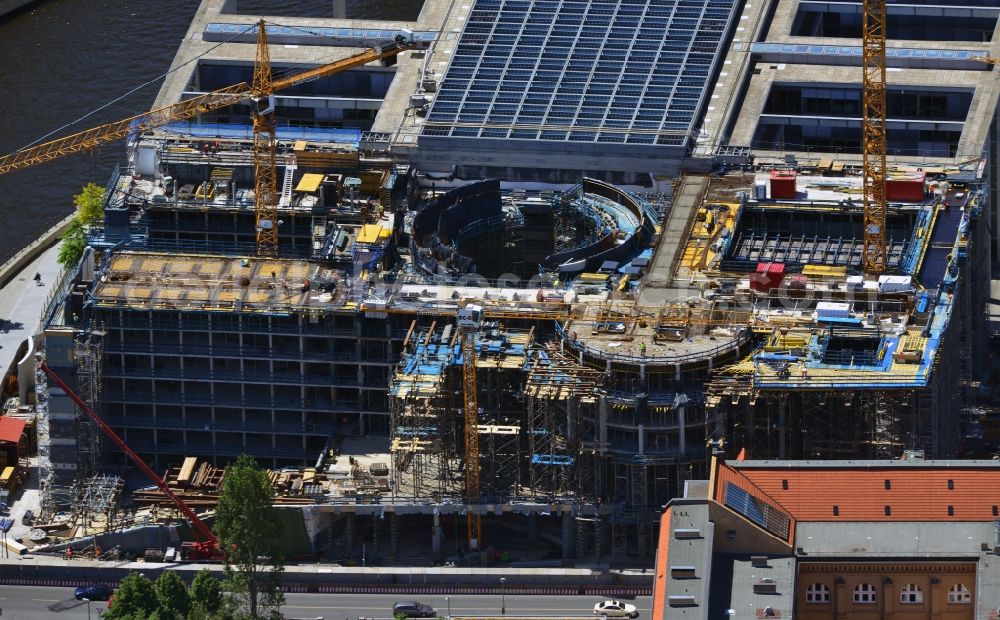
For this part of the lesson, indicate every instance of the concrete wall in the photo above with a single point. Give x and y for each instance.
(42, 569)
(33, 250)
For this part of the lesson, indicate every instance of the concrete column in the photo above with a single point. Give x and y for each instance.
(532, 527)
(677, 372)
(567, 535)
(393, 535)
(349, 528)
(340, 9)
(782, 409)
(602, 421)
(682, 423)
(642, 372)
(642, 440)
(571, 408)
(437, 535)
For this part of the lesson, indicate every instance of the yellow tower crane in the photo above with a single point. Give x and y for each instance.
(260, 93)
(470, 318)
(873, 134)
(265, 149)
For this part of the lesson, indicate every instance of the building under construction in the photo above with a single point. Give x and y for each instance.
(634, 319)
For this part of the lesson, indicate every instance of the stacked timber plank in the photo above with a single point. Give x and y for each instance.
(199, 484)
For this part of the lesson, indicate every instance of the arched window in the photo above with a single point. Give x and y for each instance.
(864, 594)
(817, 593)
(958, 593)
(911, 593)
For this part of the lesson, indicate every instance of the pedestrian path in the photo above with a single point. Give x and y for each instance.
(21, 303)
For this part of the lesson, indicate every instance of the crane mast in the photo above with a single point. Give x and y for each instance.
(469, 320)
(873, 134)
(264, 150)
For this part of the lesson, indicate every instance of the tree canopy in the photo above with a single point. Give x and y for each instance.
(168, 598)
(249, 531)
(172, 594)
(135, 598)
(74, 242)
(90, 204)
(206, 593)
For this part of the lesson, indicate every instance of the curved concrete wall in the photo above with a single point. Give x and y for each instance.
(592, 256)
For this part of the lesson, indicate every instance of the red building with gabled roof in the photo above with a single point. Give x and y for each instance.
(906, 539)
(13, 439)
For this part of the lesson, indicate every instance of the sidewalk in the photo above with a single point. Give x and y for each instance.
(21, 304)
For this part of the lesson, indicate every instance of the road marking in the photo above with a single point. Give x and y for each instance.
(46, 600)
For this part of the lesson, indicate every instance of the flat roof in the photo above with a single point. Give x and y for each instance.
(589, 73)
(649, 335)
(909, 539)
(199, 282)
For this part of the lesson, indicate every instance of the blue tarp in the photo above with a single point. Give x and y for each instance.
(233, 131)
(849, 320)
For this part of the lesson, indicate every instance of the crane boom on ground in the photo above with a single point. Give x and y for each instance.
(208, 545)
(873, 134)
(183, 110)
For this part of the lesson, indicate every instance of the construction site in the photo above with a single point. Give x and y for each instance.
(530, 363)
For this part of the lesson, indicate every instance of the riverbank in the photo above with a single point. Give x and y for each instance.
(28, 254)
(9, 6)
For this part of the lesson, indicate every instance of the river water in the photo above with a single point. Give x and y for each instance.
(60, 59)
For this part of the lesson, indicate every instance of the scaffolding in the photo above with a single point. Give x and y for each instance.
(88, 354)
(96, 504)
(423, 441)
(47, 500)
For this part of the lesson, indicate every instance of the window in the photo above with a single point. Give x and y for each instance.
(836, 511)
(784, 485)
(958, 593)
(911, 594)
(864, 594)
(951, 485)
(951, 511)
(888, 511)
(817, 593)
(888, 485)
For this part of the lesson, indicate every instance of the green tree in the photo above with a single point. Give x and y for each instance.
(90, 204)
(172, 595)
(206, 593)
(135, 598)
(249, 530)
(73, 244)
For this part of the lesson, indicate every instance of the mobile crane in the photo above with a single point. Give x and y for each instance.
(207, 545)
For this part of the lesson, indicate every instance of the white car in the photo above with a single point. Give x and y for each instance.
(615, 609)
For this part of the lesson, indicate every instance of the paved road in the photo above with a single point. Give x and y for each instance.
(37, 603)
